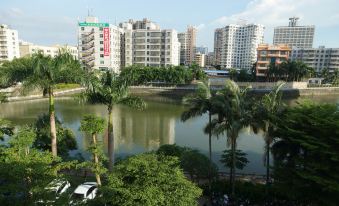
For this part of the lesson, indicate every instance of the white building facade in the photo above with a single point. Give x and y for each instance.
(99, 45)
(147, 45)
(318, 58)
(27, 49)
(9, 43)
(239, 45)
(294, 35)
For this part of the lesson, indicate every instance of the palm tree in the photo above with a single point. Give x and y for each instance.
(265, 112)
(109, 89)
(46, 72)
(94, 125)
(233, 114)
(200, 103)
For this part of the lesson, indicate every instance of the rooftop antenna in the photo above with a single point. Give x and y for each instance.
(293, 21)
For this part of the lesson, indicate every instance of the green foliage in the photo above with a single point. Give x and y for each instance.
(25, 171)
(197, 165)
(63, 86)
(137, 75)
(151, 180)
(191, 161)
(65, 136)
(92, 124)
(6, 128)
(306, 155)
(240, 159)
(330, 77)
(289, 71)
(3, 97)
(199, 103)
(110, 89)
(23, 139)
(17, 70)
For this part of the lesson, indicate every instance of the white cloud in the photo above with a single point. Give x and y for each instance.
(200, 27)
(322, 13)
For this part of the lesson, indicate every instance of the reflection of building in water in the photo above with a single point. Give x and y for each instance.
(148, 129)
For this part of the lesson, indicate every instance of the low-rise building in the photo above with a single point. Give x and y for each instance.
(27, 49)
(9, 43)
(317, 58)
(270, 54)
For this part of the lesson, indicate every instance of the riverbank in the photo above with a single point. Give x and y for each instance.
(177, 92)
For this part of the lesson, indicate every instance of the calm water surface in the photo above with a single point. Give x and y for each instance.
(140, 131)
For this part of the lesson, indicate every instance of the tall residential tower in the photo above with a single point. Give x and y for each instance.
(188, 43)
(236, 45)
(9, 43)
(294, 35)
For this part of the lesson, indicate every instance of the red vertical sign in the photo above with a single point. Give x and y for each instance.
(106, 42)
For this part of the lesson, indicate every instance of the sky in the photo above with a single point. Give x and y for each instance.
(48, 22)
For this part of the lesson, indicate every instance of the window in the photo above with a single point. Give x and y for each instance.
(101, 35)
(102, 62)
(101, 49)
(101, 55)
(101, 28)
(101, 42)
(82, 28)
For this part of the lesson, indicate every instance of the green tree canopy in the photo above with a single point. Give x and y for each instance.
(65, 136)
(306, 155)
(151, 180)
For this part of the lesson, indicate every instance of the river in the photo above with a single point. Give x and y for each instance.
(140, 131)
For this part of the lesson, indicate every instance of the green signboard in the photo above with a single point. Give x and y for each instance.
(94, 24)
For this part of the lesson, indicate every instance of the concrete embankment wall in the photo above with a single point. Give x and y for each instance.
(40, 96)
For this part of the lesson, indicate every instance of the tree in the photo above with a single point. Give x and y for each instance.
(233, 114)
(25, 171)
(110, 90)
(196, 164)
(44, 72)
(149, 179)
(200, 103)
(233, 74)
(306, 163)
(240, 159)
(6, 128)
(265, 113)
(3, 97)
(94, 125)
(65, 136)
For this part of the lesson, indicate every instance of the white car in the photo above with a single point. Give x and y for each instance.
(59, 186)
(84, 192)
(55, 189)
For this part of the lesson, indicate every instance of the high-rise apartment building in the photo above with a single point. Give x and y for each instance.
(218, 46)
(188, 44)
(9, 43)
(238, 45)
(27, 49)
(318, 58)
(271, 54)
(146, 44)
(99, 45)
(294, 35)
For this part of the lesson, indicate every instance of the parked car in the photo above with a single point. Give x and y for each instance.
(54, 190)
(84, 192)
(58, 186)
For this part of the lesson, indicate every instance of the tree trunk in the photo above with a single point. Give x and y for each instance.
(210, 152)
(233, 165)
(96, 159)
(110, 140)
(52, 122)
(267, 161)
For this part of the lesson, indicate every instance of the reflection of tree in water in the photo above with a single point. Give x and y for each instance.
(149, 128)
